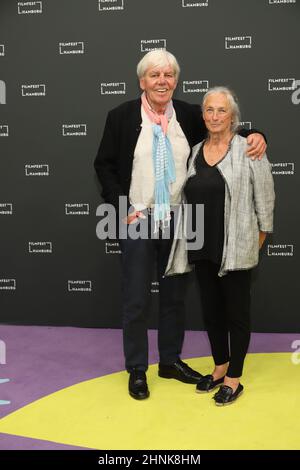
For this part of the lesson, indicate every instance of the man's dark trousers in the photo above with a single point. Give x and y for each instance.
(139, 259)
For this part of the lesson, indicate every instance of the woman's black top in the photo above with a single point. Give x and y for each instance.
(207, 187)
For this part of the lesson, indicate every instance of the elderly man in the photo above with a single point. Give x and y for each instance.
(143, 155)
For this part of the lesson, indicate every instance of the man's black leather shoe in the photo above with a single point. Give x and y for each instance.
(226, 396)
(207, 384)
(137, 386)
(179, 371)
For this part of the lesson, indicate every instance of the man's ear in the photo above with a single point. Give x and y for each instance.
(142, 83)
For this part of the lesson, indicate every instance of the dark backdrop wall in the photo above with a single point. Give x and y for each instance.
(63, 65)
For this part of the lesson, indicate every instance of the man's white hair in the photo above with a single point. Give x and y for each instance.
(157, 58)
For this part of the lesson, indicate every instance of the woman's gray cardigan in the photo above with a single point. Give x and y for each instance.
(248, 209)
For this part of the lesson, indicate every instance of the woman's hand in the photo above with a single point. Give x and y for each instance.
(262, 237)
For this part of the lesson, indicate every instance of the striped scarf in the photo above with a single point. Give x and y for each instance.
(163, 161)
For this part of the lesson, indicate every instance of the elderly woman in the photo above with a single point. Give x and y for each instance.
(142, 157)
(238, 199)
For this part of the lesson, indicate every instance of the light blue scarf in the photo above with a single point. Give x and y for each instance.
(164, 171)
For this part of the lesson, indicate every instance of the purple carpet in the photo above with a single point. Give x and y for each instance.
(43, 360)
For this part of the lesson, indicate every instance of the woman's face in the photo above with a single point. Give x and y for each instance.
(217, 113)
(159, 84)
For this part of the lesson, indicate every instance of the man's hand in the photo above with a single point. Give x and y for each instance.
(133, 217)
(257, 146)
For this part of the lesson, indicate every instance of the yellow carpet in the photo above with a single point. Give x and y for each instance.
(100, 414)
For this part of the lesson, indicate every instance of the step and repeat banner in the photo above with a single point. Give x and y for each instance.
(63, 65)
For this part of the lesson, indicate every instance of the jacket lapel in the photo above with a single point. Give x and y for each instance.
(184, 121)
(134, 126)
(226, 165)
(191, 166)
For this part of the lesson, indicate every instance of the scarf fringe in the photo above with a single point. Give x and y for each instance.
(164, 175)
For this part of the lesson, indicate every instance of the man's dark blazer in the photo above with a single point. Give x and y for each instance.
(114, 160)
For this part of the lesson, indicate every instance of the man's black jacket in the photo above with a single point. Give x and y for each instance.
(114, 160)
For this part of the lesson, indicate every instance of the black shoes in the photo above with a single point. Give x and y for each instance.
(226, 396)
(137, 386)
(179, 371)
(207, 384)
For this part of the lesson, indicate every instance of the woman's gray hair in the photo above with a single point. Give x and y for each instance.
(157, 58)
(233, 103)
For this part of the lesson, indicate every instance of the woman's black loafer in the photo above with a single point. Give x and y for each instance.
(226, 396)
(207, 384)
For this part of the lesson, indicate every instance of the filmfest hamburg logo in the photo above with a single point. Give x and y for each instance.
(75, 47)
(6, 208)
(280, 2)
(283, 168)
(110, 5)
(281, 250)
(8, 284)
(246, 125)
(79, 286)
(40, 247)
(74, 130)
(194, 3)
(27, 8)
(34, 90)
(112, 248)
(238, 42)
(154, 287)
(2, 50)
(3, 130)
(37, 170)
(113, 88)
(77, 209)
(281, 84)
(195, 86)
(148, 45)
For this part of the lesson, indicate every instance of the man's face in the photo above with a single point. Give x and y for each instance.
(159, 84)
